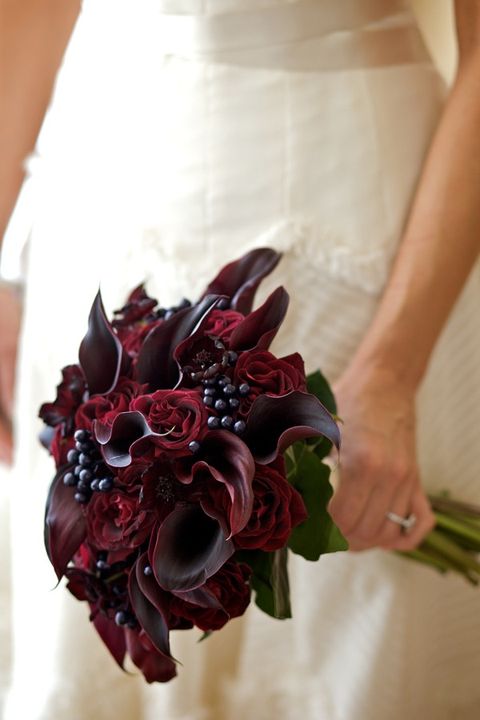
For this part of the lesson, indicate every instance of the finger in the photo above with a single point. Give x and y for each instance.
(372, 522)
(6, 443)
(349, 501)
(401, 505)
(425, 522)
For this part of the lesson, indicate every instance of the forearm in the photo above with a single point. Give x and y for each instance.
(33, 36)
(440, 244)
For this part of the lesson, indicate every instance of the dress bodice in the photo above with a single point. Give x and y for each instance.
(299, 35)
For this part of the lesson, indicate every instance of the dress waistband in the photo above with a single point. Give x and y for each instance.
(302, 35)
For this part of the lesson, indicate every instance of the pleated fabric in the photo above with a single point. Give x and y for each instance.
(183, 133)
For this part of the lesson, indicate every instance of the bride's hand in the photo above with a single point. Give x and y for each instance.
(10, 311)
(378, 467)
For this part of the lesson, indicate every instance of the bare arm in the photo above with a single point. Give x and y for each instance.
(33, 36)
(439, 247)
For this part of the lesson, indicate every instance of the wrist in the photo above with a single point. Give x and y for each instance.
(383, 372)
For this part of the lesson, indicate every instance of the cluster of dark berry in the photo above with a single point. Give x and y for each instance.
(112, 589)
(221, 395)
(89, 473)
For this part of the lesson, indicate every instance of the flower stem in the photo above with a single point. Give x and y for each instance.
(449, 549)
(459, 528)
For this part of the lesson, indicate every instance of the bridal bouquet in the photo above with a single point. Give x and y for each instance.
(189, 464)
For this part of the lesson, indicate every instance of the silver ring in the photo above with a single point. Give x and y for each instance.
(406, 523)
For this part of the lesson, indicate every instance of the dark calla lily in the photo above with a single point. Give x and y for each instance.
(226, 459)
(113, 636)
(190, 547)
(119, 439)
(156, 364)
(274, 423)
(260, 327)
(240, 279)
(201, 596)
(101, 354)
(65, 528)
(154, 666)
(150, 606)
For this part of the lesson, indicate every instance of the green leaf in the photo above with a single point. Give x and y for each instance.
(318, 534)
(269, 581)
(205, 635)
(318, 385)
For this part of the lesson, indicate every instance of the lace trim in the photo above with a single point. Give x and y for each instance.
(324, 248)
(296, 239)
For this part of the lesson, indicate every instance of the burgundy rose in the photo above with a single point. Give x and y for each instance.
(69, 396)
(265, 373)
(228, 591)
(133, 475)
(116, 522)
(221, 323)
(277, 509)
(179, 415)
(106, 407)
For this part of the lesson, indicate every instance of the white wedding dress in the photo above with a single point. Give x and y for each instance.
(183, 133)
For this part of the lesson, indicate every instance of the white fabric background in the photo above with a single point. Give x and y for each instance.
(160, 166)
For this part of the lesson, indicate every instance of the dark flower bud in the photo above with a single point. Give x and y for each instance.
(69, 479)
(80, 436)
(121, 617)
(72, 456)
(81, 497)
(213, 422)
(105, 485)
(102, 565)
(239, 427)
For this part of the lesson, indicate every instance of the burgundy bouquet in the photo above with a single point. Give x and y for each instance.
(189, 460)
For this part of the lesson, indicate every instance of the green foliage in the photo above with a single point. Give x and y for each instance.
(312, 538)
(318, 534)
(318, 385)
(269, 581)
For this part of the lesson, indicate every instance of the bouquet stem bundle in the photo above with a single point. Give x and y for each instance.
(454, 544)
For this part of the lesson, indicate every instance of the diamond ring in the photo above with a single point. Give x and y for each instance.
(406, 523)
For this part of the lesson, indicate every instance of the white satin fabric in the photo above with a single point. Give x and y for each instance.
(181, 134)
